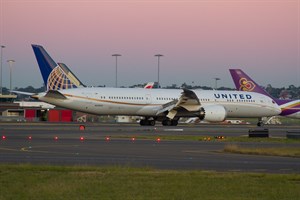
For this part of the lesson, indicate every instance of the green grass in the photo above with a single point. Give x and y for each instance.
(283, 120)
(279, 151)
(206, 138)
(79, 182)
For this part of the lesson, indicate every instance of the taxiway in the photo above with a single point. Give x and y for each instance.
(99, 147)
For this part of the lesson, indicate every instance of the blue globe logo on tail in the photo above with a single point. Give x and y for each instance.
(58, 80)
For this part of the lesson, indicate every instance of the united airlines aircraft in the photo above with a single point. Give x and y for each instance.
(166, 105)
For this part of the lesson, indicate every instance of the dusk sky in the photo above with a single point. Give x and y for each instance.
(200, 40)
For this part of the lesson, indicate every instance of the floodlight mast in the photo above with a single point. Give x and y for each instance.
(116, 55)
(158, 58)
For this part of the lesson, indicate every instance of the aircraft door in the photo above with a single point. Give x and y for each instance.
(262, 100)
(148, 98)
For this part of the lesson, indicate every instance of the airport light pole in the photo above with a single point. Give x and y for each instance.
(216, 83)
(158, 56)
(2, 47)
(10, 63)
(116, 55)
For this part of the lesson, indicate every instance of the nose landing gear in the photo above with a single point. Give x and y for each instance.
(260, 122)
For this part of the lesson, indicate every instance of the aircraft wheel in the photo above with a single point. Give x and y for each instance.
(166, 122)
(174, 122)
(152, 122)
(145, 122)
(142, 122)
(260, 124)
(169, 123)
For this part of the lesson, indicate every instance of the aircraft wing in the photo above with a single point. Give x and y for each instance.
(188, 100)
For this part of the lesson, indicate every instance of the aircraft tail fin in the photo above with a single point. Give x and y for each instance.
(45, 62)
(244, 83)
(55, 76)
(151, 85)
(71, 76)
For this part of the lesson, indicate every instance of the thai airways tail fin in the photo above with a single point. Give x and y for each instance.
(244, 83)
(55, 76)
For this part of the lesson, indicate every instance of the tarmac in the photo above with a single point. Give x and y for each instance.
(122, 145)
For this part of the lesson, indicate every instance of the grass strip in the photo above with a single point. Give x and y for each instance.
(207, 138)
(86, 182)
(278, 151)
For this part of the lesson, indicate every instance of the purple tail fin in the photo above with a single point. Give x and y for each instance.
(244, 83)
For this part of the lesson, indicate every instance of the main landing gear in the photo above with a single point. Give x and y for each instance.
(147, 122)
(168, 122)
(165, 122)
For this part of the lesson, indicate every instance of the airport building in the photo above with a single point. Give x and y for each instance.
(8, 108)
(35, 111)
(32, 111)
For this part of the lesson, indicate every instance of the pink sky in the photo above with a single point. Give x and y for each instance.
(200, 40)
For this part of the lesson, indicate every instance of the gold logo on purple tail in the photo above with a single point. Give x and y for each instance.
(246, 85)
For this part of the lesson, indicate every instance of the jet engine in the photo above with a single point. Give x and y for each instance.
(212, 113)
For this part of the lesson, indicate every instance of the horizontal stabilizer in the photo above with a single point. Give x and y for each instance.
(55, 94)
(23, 93)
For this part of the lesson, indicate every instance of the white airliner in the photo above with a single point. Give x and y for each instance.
(167, 105)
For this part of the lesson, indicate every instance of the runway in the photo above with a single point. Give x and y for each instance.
(96, 149)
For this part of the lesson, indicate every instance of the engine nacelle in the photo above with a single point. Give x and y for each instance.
(213, 113)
